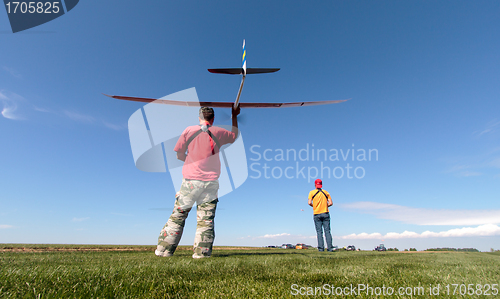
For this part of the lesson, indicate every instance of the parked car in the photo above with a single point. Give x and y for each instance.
(335, 248)
(301, 246)
(351, 248)
(381, 247)
(287, 246)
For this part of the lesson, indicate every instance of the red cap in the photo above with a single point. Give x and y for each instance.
(318, 183)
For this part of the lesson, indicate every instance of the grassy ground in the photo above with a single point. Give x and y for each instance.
(84, 271)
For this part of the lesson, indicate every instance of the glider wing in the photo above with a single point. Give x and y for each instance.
(225, 104)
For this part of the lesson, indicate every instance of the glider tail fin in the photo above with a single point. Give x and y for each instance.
(244, 60)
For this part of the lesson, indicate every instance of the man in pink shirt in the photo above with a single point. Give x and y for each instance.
(198, 147)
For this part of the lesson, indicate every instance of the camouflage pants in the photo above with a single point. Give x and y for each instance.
(204, 194)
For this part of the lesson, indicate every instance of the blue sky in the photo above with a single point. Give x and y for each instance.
(422, 77)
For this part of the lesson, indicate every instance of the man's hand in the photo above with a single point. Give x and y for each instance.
(235, 112)
(310, 202)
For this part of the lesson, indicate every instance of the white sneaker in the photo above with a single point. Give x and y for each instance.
(199, 256)
(163, 254)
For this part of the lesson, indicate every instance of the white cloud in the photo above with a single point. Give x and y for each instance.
(79, 117)
(9, 103)
(486, 230)
(5, 226)
(495, 163)
(286, 236)
(113, 126)
(13, 72)
(42, 109)
(422, 216)
(469, 169)
(491, 127)
(474, 165)
(468, 173)
(120, 214)
(274, 236)
(80, 219)
(88, 119)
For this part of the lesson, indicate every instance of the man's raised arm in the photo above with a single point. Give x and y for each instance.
(234, 116)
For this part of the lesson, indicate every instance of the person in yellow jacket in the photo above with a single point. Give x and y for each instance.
(320, 200)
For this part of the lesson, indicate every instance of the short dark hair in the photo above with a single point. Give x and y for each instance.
(207, 113)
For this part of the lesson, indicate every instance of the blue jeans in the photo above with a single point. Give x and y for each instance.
(322, 221)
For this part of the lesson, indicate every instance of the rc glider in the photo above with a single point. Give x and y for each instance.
(243, 71)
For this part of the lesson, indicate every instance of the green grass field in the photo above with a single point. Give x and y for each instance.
(85, 271)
